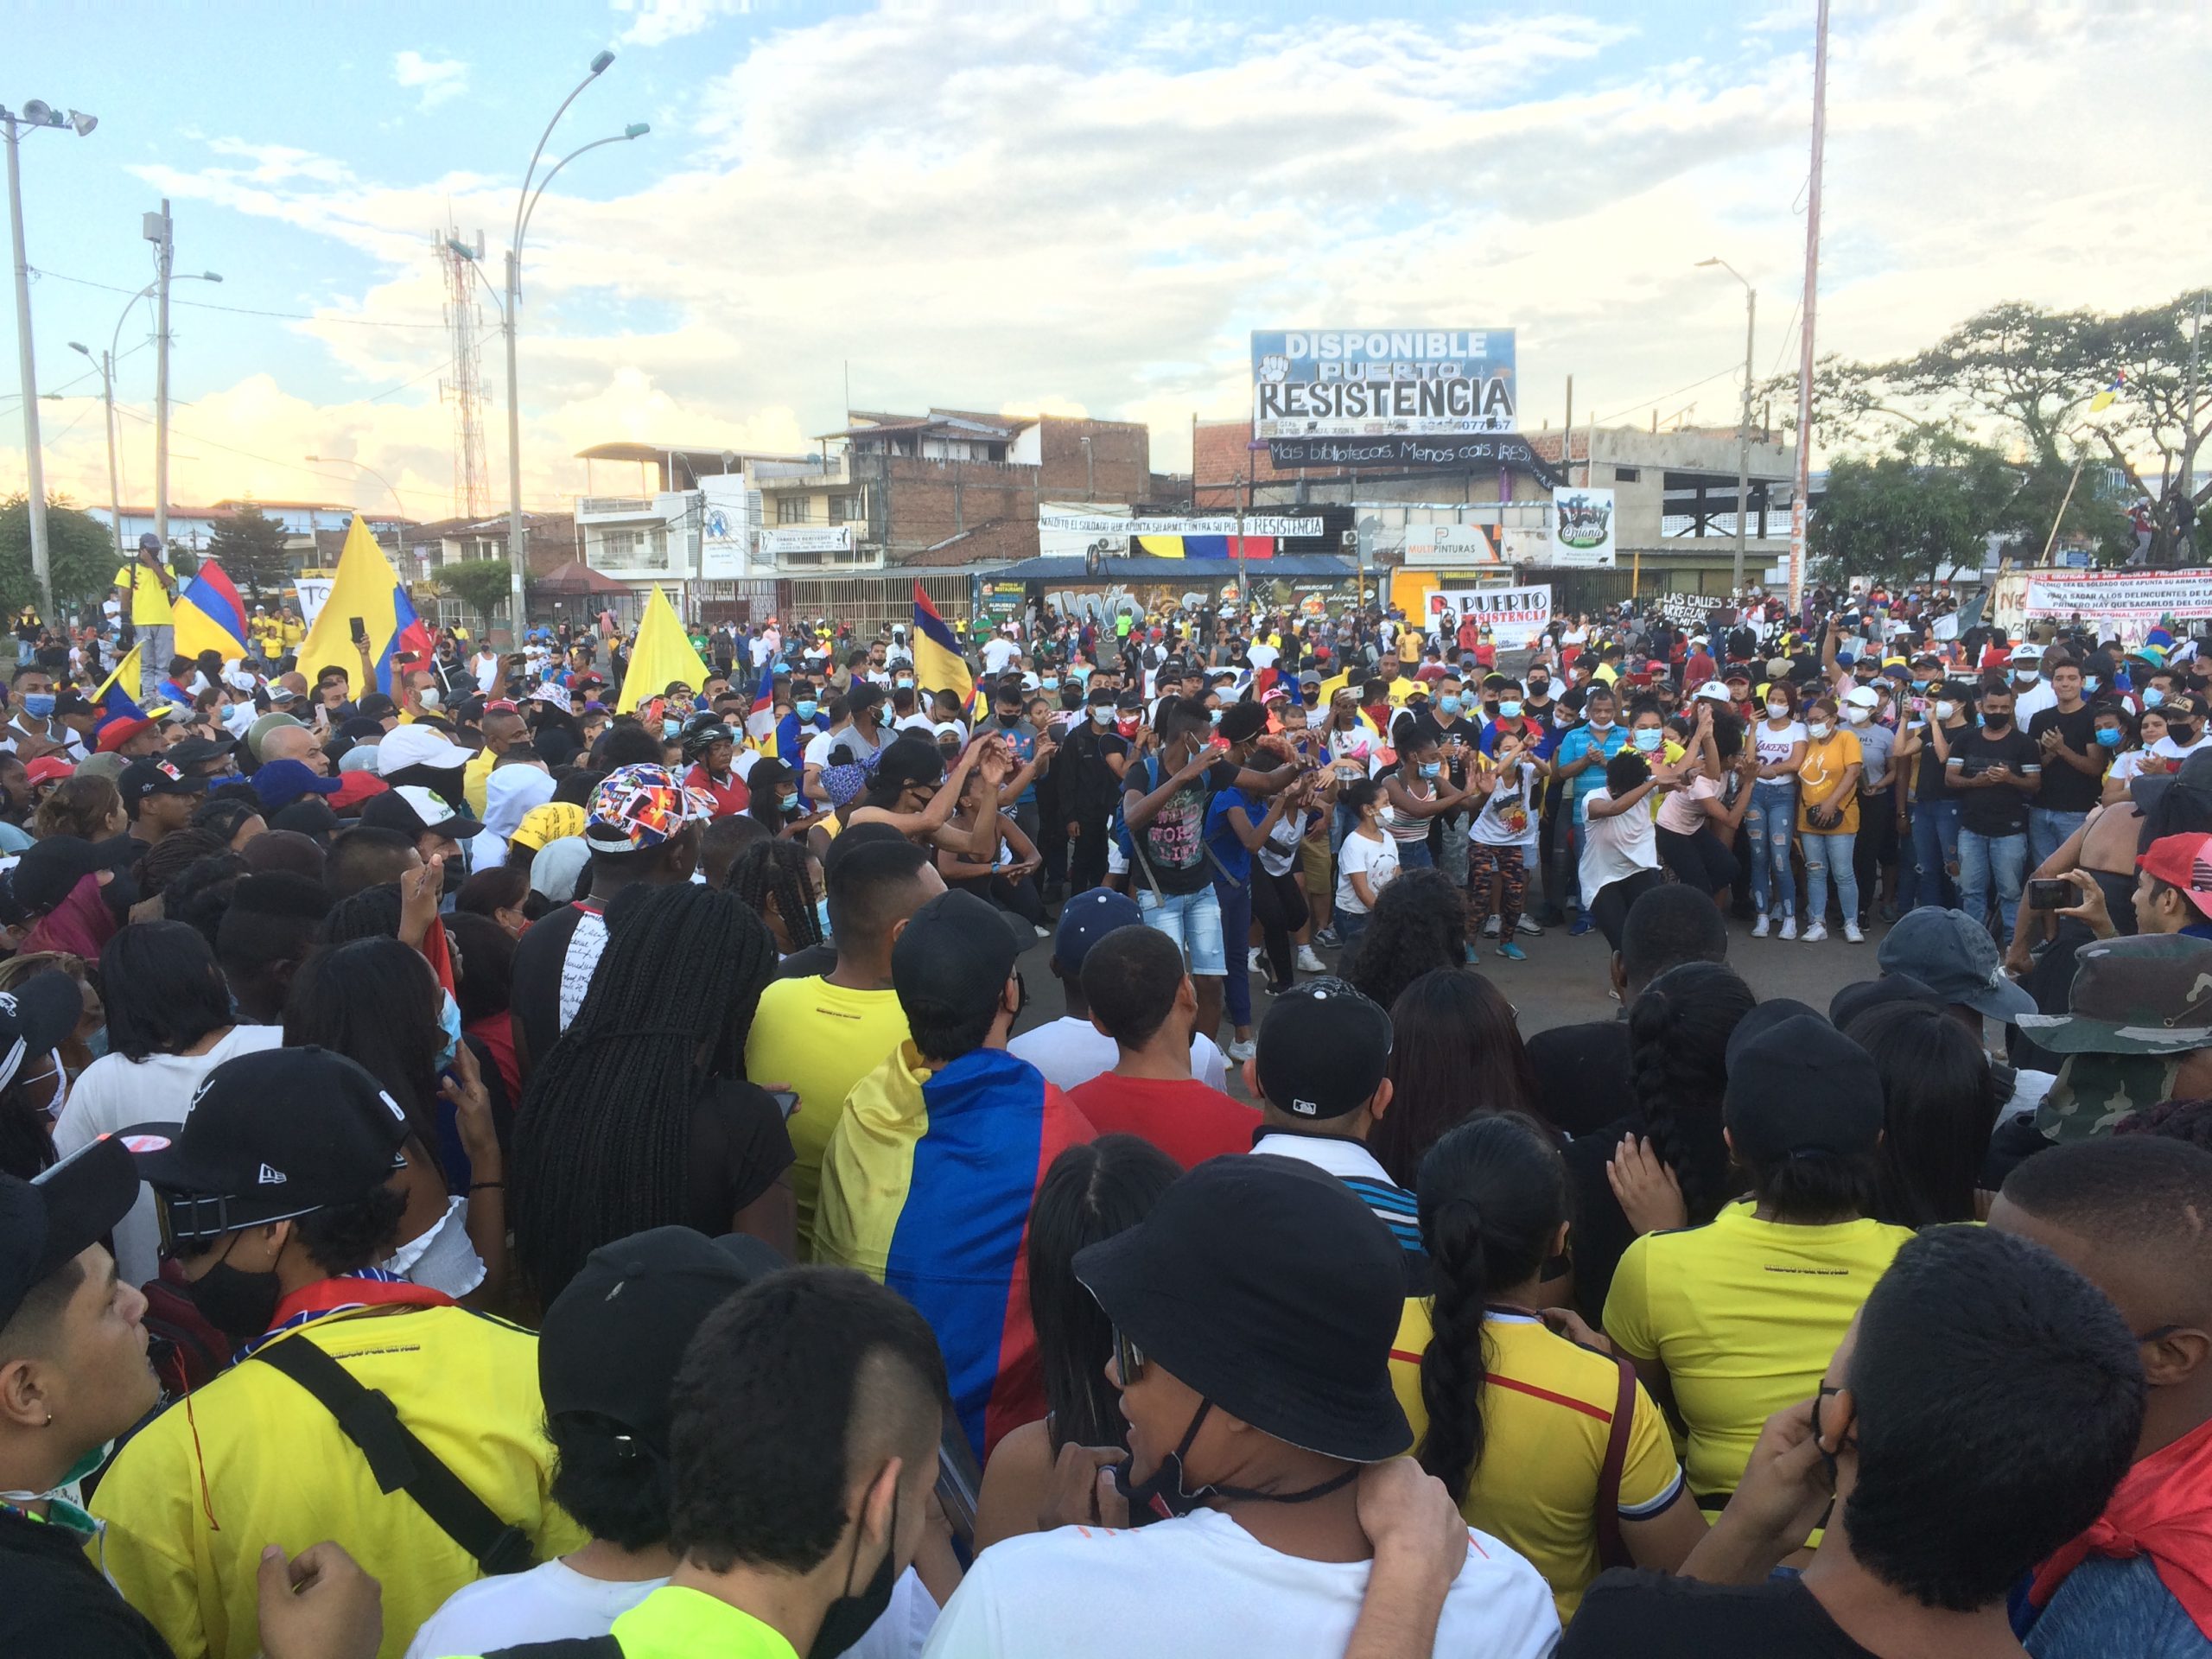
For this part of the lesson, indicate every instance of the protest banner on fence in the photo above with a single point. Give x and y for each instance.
(1515, 616)
(2141, 596)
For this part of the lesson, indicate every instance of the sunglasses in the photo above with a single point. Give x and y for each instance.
(1129, 1358)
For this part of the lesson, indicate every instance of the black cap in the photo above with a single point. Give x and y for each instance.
(1266, 1286)
(1799, 1088)
(269, 1136)
(47, 1222)
(416, 810)
(152, 775)
(1764, 1018)
(48, 869)
(612, 1341)
(191, 751)
(37, 1013)
(1855, 999)
(955, 956)
(1322, 1049)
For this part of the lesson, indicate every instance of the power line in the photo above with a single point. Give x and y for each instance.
(240, 310)
(1668, 397)
(272, 461)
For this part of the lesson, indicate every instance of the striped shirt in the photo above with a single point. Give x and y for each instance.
(1350, 1162)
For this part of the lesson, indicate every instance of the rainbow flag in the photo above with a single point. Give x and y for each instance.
(208, 615)
(926, 1187)
(939, 664)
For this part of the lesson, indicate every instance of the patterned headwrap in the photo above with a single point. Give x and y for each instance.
(641, 807)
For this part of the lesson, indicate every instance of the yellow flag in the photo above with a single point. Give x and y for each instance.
(662, 655)
(365, 587)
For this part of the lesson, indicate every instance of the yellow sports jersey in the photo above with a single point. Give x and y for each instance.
(1547, 1414)
(1745, 1315)
(252, 1459)
(819, 1039)
(148, 599)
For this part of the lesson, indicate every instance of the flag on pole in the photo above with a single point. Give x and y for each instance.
(113, 700)
(365, 588)
(662, 656)
(938, 664)
(208, 615)
(2104, 399)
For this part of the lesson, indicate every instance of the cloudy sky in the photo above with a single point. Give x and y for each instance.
(1058, 206)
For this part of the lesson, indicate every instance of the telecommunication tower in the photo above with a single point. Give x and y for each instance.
(464, 391)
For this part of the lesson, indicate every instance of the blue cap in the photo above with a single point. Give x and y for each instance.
(1088, 917)
(279, 783)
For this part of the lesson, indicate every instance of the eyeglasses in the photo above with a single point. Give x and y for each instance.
(1129, 1358)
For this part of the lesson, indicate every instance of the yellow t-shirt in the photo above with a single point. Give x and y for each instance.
(149, 602)
(818, 1040)
(1548, 1413)
(1745, 1315)
(1824, 762)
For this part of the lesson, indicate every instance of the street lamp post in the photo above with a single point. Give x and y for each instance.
(105, 363)
(36, 113)
(1090, 471)
(398, 530)
(509, 300)
(161, 445)
(1744, 429)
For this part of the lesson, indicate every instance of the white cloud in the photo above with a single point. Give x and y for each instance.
(439, 78)
(657, 22)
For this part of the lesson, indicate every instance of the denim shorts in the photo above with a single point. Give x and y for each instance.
(1193, 921)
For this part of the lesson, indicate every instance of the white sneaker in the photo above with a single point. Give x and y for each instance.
(1529, 926)
(1851, 933)
(1813, 934)
(1759, 927)
(1490, 928)
(1789, 927)
(1239, 1052)
(1309, 961)
(1257, 960)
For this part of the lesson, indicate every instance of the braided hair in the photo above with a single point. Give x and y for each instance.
(1492, 1199)
(1678, 1034)
(778, 869)
(602, 1144)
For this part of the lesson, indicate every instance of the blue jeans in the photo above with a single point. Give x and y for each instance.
(2047, 829)
(1414, 855)
(1986, 859)
(1234, 900)
(1770, 821)
(1934, 849)
(1826, 855)
(1193, 921)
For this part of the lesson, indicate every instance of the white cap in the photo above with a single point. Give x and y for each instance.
(1712, 691)
(951, 728)
(418, 745)
(1862, 696)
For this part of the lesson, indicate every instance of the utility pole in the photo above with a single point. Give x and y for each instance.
(2189, 403)
(518, 543)
(106, 364)
(1804, 480)
(1744, 434)
(161, 233)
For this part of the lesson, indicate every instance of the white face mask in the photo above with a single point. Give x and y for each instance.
(1945, 710)
(430, 699)
(1779, 710)
(1821, 730)
(1856, 715)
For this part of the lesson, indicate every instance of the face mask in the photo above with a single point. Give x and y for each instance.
(2110, 736)
(1010, 716)
(2183, 735)
(449, 1023)
(2090, 683)
(1995, 722)
(1821, 731)
(428, 699)
(1779, 710)
(38, 705)
(790, 803)
(1945, 710)
(1163, 1496)
(239, 1304)
(60, 1086)
(1509, 709)
(60, 1512)
(671, 729)
(1431, 769)
(1856, 715)
(1127, 727)
(1920, 685)
(847, 1620)
(1650, 741)
(1102, 716)
(1450, 705)
(1540, 688)
(1050, 683)
(905, 682)
(2154, 697)
(1215, 715)
(2024, 680)
(804, 708)
(822, 917)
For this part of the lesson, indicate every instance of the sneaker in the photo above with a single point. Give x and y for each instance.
(1042, 931)
(1583, 924)
(1490, 928)
(1326, 939)
(1528, 925)
(1240, 1053)
(1851, 933)
(1257, 960)
(1308, 962)
(1512, 952)
(1789, 927)
(1759, 928)
(1813, 935)
(1888, 911)
(1472, 954)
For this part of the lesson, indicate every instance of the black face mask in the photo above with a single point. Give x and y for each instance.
(1162, 1495)
(848, 1619)
(1539, 689)
(1995, 722)
(452, 873)
(1010, 716)
(2183, 735)
(236, 1303)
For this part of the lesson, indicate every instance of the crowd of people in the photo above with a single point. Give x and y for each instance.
(500, 1163)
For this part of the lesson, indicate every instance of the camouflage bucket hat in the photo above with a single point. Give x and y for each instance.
(2095, 1093)
(2149, 993)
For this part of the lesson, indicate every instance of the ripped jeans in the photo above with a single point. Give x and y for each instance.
(1770, 821)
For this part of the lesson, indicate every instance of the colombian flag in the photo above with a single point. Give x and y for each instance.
(927, 1186)
(938, 664)
(210, 616)
(365, 587)
(113, 700)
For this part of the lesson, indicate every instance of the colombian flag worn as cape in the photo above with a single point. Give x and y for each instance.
(927, 1186)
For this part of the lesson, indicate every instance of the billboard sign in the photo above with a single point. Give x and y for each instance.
(726, 524)
(1582, 528)
(1515, 616)
(1360, 383)
(1453, 545)
(810, 538)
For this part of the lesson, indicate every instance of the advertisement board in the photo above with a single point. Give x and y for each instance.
(729, 519)
(1515, 616)
(806, 538)
(1582, 529)
(1363, 383)
(1454, 544)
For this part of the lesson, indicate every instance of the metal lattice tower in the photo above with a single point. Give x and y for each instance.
(465, 390)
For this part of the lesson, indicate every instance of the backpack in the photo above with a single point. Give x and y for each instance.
(1127, 841)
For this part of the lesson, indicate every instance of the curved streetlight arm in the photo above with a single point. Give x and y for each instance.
(516, 241)
(1725, 265)
(530, 209)
(131, 304)
(498, 301)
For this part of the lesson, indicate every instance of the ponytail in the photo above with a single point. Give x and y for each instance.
(1492, 1198)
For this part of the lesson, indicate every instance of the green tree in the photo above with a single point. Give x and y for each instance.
(1910, 514)
(480, 584)
(250, 545)
(80, 550)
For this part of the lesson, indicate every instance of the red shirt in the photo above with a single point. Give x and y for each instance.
(1180, 1115)
(1485, 655)
(730, 799)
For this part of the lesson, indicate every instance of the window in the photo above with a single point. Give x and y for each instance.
(790, 508)
(1625, 474)
(618, 547)
(846, 509)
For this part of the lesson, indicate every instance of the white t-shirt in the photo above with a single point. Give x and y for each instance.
(1202, 1585)
(2027, 704)
(999, 654)
(490, 670)
(113, 1094)
(1376, 860)
(1070, 1052)
(555, 1602)
(1774, 747)
(1508, 817)
(1616, 848)
(2173, 751)
(1261, 655)
(821, 744)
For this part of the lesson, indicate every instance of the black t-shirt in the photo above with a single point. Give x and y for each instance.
(1629, 1614)
(560, 950)
(1600, 1235)
(738, 1145)
(1582, 1074)
(2065, 790)
(53, 1599)
(1932, 785)
(1090, 789)
(1170, 849)
(807, 963)
(1998, 810)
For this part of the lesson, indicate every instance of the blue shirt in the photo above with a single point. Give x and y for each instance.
(1581, 741)
(2106, 1607)
(1234, 856)
(792, 735)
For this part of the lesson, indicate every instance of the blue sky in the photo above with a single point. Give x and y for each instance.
(1053, 207)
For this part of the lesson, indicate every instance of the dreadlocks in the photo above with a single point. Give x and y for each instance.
(602, 1144)
(777, 869)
